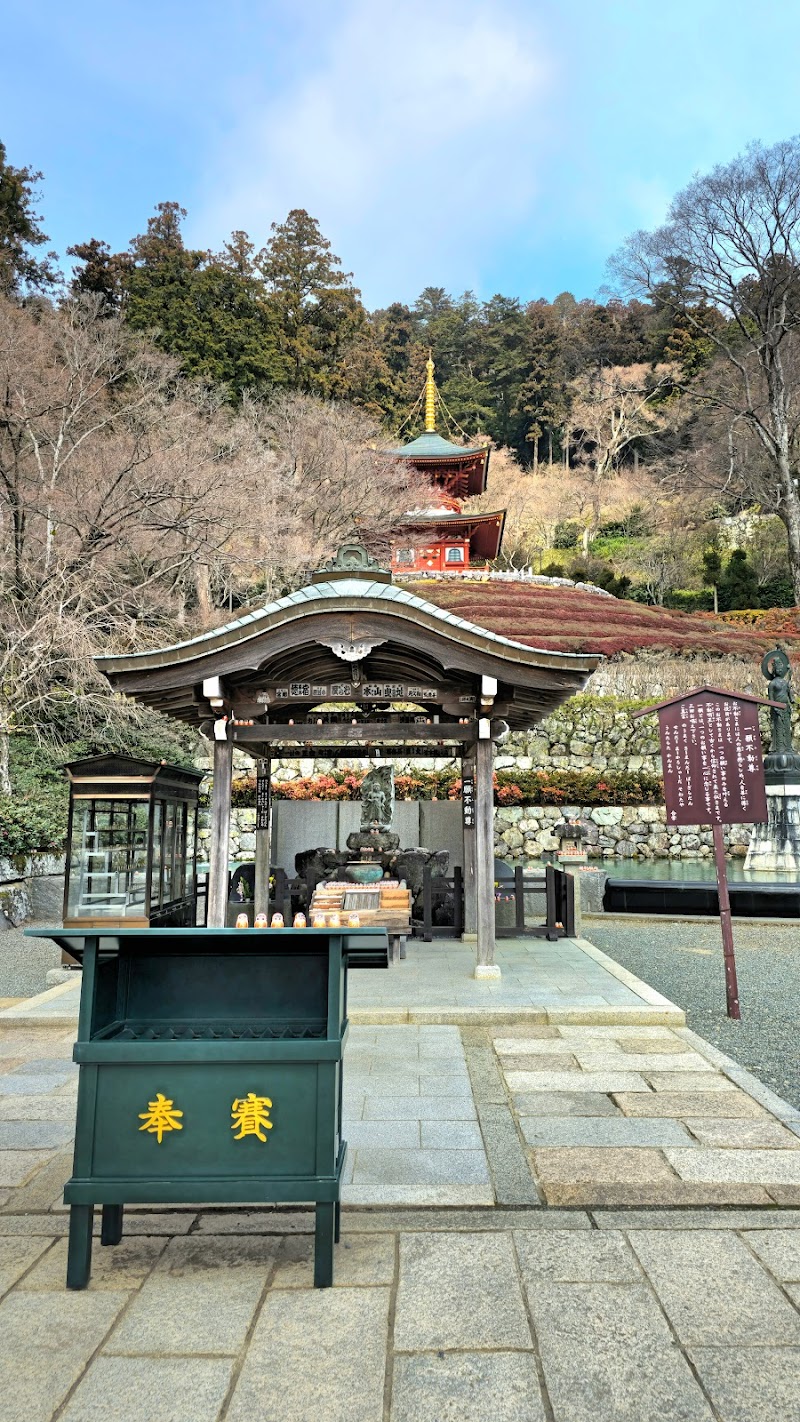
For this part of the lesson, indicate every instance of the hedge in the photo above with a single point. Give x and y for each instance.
(512, 787)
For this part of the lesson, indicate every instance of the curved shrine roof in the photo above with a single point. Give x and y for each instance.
(409, 640)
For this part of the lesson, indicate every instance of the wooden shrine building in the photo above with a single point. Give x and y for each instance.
(355, 665)
(442, 537)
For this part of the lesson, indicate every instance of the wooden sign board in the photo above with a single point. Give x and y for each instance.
(714, 775)
(263, 798)
(711, 755)
(468, 799)
(360, 691)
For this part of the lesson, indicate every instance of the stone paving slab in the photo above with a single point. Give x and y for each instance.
(767, 1167)
(742, 1135)
(564, 1103)
(315, 1354)
(751, 1384)
(688, 1104)
(779, 1250)
(609, 1356)
(714, 1291)
(467, 1387)
(566, 1257)
(600, 1131)
(200, 1298)
(459, 1291)
(124, 1267)
(155, 1389)
(17, 1256)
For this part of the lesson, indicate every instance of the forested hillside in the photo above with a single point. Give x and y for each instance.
(184, 431)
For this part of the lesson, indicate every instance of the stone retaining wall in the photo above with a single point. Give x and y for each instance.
(523, 833)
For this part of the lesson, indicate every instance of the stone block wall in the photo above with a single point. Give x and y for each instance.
(524, 832)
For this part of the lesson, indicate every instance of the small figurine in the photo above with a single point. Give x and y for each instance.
(277, 921)
(318, 921)
(260, 920)
(242, 921)
(299, 920)
(353, 920)
(334, 920)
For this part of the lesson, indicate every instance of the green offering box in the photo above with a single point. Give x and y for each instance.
(210, 1073)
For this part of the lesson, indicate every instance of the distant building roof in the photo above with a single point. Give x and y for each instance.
(431, 445)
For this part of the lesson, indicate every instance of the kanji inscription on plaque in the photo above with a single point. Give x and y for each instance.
(711, 754)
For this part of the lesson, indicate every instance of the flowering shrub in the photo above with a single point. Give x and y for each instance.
(512, 787)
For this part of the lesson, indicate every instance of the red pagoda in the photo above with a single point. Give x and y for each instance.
(441, 537)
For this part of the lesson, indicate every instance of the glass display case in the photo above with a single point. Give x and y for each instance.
(131, 843)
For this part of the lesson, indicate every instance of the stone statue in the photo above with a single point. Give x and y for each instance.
(775, 667)
(377, 798)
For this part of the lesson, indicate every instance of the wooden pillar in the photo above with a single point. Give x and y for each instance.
(263, 835)
(468, 829)
(220, 831)
(484, 852)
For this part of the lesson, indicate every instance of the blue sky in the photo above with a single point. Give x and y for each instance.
(498, 145)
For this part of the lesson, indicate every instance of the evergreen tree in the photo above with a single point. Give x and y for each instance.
(212, 312)
(542, 399)
(20, 230)
(103, 273)
(319, 311)
(739, 585)
(712, 569)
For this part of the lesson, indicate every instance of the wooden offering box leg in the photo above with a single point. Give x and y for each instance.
(111, 1224)
(79, 1249)
(324, 1233)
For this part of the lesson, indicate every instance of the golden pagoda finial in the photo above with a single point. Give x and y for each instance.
(430, 395)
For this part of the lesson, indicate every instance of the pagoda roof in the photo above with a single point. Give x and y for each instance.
(431, 445)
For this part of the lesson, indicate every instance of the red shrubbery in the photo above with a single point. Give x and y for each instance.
(568, 620)
(511, 787)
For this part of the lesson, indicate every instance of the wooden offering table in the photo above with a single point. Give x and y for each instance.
(210, 1071)
(384, 904)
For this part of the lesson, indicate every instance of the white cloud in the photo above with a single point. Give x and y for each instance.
(402, 140)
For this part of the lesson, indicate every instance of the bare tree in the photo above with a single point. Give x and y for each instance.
(317, 477)
(611, 407)
(731, 246)
(108, 493)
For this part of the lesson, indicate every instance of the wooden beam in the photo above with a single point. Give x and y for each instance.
(378, 733)
(220, 834)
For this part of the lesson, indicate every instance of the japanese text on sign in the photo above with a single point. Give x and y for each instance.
(711, 754)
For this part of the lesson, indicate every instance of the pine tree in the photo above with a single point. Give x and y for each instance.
(19, 231)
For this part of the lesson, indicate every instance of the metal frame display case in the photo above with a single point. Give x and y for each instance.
(210, 1071)
(131, 843)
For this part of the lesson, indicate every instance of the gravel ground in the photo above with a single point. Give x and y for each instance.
(684, 962)
(25, 963)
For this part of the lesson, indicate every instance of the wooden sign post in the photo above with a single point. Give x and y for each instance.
(714, 774)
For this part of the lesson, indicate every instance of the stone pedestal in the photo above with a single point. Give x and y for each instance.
(775, 846)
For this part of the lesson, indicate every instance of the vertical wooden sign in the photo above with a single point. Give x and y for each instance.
(714, 774)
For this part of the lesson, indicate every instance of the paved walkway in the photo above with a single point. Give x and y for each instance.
(512, 1316)
(464, 1290)
(566, 981)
